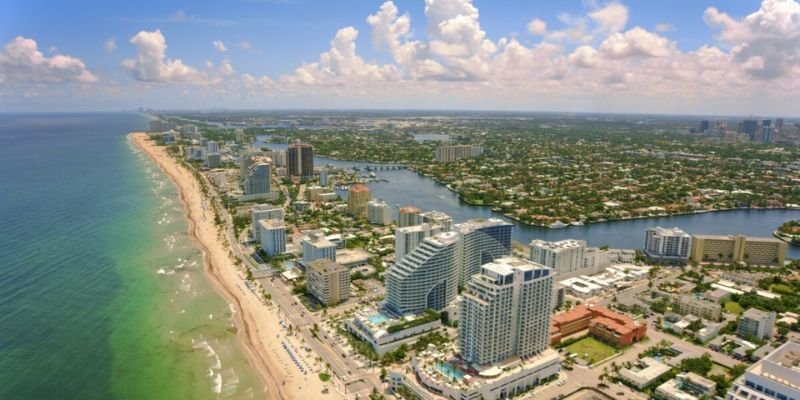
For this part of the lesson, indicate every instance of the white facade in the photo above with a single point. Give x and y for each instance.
(426, 278)
(316, 247)
(505, 311)
(565, 256)
(446, 154)
(667, 244)
(482, 240)
(379, 213)
(755, 322)
(263, 211)
(408, 238)
(437, 218)
(272, 234)
(774, 377)
(212, 147)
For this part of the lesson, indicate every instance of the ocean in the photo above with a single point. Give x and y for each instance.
(102, 292)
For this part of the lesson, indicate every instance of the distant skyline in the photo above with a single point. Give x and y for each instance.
(679, 57)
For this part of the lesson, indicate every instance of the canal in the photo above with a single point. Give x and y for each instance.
(407, 187)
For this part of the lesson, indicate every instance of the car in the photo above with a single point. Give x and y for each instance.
(620, 393)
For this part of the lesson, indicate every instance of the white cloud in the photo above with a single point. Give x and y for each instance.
(152, 64)
(664, 27)
(537, 27)
(342, 66)
(636, 42)
(766, 43)
(585, 57)
(245, 45)
(219, 45)
(611, 18)
(22, 62)
(110, 44)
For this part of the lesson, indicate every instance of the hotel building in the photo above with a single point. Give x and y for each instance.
(738, 248)
(328, 281)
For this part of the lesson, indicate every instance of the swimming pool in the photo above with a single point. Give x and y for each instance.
(449, 371)
(378, 319)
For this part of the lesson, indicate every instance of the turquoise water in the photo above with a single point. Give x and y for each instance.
(449, 371)
(378, 318)
(102, 293)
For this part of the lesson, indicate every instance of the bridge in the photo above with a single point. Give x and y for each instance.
(387, 167)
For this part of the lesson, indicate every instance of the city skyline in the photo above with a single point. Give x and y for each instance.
(618, 57)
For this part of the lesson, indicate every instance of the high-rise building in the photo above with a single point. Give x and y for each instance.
(768, 134)
(323, 177)
(482, 241)
(278, 157)
(705, 125)
(272, 235)
(409, 216)
(750, 128)
(426, 278)
(756, 323)
(437, 218)
(212, 146)
(213, 160)
(379, 213)
(667, 244)
(407, 238)
(244, 165)
(263, 211)
(779, 124)
(774, 377)
(328, 281)
(300, 159)
(317, 246)
(563, 257)
(505, 312)
(450, 153)
(357, 198)
(258, 179)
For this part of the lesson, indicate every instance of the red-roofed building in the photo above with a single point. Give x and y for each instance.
(613, 328)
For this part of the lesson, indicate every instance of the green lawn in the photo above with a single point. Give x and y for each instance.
(591, 350)
(733, 307)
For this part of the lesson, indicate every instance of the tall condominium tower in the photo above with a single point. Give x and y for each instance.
(425, 278)
(437, 218)
(409, 216)
(300, 159)
(563, 257)
(357, 198)
(482, 241)
(407, 238)
(667, 244)
(505, 311)
(258, 179)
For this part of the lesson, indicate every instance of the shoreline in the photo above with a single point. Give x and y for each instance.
(587, 222)
(255, 328)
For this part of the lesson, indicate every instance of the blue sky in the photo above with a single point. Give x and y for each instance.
(268, 40)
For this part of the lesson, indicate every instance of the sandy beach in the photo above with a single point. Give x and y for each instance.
(259, 332)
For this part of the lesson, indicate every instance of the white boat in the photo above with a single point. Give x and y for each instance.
(558, 225)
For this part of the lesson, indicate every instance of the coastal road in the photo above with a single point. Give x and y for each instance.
(351, 374)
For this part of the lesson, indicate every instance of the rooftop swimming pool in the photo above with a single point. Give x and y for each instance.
(449, 371)
(378, 319)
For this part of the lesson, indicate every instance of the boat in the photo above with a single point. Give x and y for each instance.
(558, 225)
(577, 223)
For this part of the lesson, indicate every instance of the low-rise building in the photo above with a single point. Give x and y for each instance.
(602, 323)
(699, 307)
(688, 386)
(385, 333)
(738, 248)
(644, 372)
(756, 323)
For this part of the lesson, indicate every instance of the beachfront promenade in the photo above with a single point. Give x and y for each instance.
(259, 323)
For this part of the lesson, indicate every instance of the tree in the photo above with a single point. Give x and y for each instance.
(383, 374)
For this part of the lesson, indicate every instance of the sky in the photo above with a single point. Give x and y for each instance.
(667, 57)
